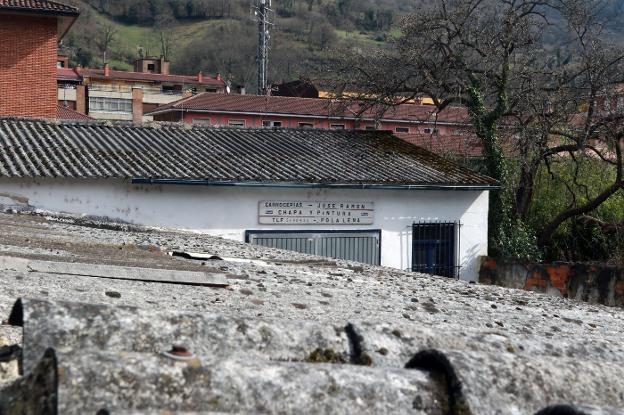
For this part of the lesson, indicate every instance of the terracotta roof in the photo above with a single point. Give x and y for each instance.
(67, 74)
(462, 145)
(45, 6)
(170, 152)
(307, 106)
(64, 113)
(152, 77)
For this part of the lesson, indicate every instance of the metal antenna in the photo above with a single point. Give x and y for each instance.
(263, 12)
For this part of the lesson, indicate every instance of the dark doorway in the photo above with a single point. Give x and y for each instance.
(435, 248)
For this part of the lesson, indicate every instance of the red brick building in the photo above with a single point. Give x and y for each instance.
(29, 35)
(448, 131)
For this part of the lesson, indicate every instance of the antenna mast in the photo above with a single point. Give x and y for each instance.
(263, 11)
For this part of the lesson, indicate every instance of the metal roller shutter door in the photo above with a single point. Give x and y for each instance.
(359, 246)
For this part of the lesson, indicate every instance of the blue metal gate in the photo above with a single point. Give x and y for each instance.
(435, 248)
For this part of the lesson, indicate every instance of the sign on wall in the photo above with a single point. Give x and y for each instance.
(297, 212)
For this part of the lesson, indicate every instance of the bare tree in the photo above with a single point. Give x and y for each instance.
(167, 38)
(498, 58)
(106, 35)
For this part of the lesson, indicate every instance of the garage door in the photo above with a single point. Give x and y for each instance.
(360, 246)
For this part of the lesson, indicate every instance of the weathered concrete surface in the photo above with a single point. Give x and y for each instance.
(34, 393)
(115, 272)
(89, 382)
(583, 282)
(73, 327)
(394, 314)
(9, 336)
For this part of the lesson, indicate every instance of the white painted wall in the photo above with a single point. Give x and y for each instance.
(230, 211)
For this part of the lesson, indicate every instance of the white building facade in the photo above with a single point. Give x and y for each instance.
(235, 213)
(410, 210)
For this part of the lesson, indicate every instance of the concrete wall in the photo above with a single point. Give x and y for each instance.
(230, 211)
(583, 282)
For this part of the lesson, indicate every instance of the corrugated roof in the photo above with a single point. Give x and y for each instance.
(45, 6)
(35, 148)
(64, 113)
(292, 334)
(153, 77)
(310, 106)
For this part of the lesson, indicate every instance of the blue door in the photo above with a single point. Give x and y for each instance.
(434, 248)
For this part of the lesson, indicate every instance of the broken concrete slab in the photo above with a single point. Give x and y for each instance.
(116, 272)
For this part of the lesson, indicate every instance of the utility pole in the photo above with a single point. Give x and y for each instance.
(263, 11)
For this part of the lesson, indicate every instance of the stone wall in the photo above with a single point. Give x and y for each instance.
(584, 282)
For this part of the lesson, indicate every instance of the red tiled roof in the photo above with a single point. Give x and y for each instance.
(66, 74)
(309, 106)
(467, 145)
(45, 6)
(64, 113)
(152, 77)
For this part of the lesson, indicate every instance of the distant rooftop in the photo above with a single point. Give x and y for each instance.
(66, 15)
(154, 77)
(65, 113)
(256, 104)
(43, 6)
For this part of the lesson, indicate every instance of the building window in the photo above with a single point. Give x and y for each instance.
(431, 130)
(211, 90)
(306, 125)
(337, 126)
(402, 130)
(236, 123)
(370, 127)
(271, 123)
(202, 121)
(101, 104)
(435, 248)
(151, 67)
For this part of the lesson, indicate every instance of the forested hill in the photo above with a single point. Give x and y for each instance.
(366, 14)
(220, 36)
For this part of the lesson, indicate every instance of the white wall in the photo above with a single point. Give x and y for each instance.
(229, 211)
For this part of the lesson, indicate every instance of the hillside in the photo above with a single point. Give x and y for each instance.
(220, 35)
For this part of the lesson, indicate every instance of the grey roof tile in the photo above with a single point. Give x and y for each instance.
(32, 148)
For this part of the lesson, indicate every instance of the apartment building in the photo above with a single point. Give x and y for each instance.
(127, 95)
